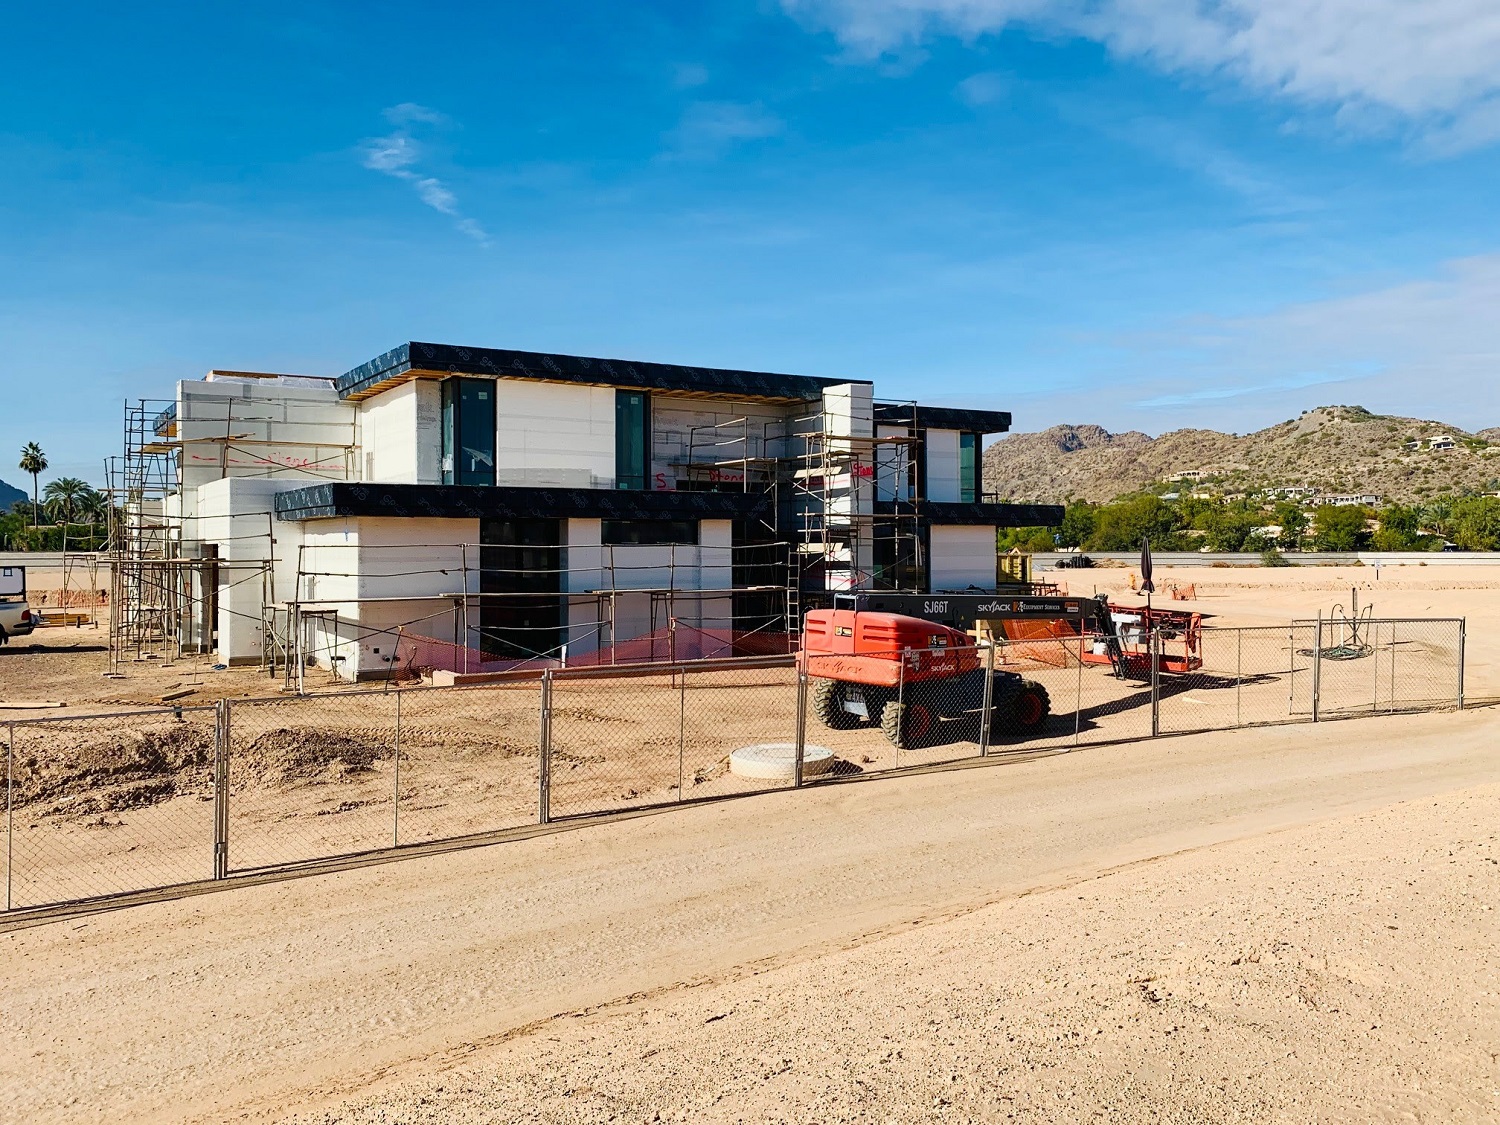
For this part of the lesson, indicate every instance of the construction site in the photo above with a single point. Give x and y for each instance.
(411, 524)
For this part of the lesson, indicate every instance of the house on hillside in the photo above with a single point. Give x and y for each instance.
(1292, 492)
(1352, 499)
(483, 507)
(1441, 443)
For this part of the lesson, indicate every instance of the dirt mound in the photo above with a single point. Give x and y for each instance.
(288, 757)
(108, 770)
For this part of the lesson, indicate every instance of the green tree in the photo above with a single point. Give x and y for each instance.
(64, 498)
(1476, 523)
(1122, 525)
(1229, 527)
(1341, 527)
(1292, 520)
(1029, 539)
(33, 461)
(1400, 529)
(1077, 527)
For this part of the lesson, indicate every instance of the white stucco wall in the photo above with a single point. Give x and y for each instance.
(282, 428)
(555, 434)
(400, 433)
(350, 564)
(236, 514)
(961, 557)
(942, 466)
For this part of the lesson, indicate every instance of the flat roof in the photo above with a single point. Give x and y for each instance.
(942, 417)
(335, 499)
(421, 360)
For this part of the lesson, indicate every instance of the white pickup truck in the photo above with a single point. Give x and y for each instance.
(16, 618)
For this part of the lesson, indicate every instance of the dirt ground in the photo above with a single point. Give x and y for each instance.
(106, 804)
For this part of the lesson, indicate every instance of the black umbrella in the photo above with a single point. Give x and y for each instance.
(1148, 587)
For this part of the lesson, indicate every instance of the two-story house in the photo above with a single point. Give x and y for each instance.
(518, 505)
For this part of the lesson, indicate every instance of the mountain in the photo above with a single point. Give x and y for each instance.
(1333, 449)
(9, 494)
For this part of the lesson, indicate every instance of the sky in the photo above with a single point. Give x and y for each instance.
(1146, 214)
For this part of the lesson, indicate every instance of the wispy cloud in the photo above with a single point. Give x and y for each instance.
(399, 154)
(1429, 67)
(1427, 346)
(710, 128)
(984, 88)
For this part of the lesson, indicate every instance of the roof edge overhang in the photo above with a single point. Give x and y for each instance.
(350, 499)
(942, 417)
(416, 360)
(974, 515)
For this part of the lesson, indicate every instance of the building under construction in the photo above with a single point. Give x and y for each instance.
(467, 509)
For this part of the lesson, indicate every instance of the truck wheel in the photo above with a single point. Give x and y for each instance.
(907, 725)
(828, 706)
(1027, 711)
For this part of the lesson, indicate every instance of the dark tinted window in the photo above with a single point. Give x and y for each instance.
(631, 429)
(468, 431)
(650, 531)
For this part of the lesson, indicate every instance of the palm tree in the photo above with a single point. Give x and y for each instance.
(33, 461)
(65, 496)
(94, 507)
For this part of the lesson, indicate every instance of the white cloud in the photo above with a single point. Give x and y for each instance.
(1426, 347)
(398, 155)
(984, 88)
(1432, 66)
(708, 128)
(410, 113)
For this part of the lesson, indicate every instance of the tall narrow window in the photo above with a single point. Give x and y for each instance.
(468, 431)
(968, 468)
(632, 429)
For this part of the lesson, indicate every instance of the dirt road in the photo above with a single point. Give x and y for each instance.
(274, 998)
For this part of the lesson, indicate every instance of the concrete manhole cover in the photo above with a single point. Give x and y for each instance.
(777, 761)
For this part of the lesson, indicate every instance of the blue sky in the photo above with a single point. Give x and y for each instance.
(1143, 213)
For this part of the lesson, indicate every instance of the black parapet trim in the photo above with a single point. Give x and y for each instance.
(505, 363)
(996, 515)
(943, 418)
(341, 499)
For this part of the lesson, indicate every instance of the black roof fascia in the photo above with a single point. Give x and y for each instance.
(163, 421)
(944, 418)
(338, 499)
(982, 515)
(504, 363)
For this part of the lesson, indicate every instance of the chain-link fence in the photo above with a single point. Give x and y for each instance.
(617, 739)
(110, 804)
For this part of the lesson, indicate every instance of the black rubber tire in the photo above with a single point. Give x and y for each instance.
(907, 725)
(827, 705)
(1026, 712)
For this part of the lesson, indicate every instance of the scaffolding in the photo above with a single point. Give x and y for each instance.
(817, 477)
(692, 598)
(818, 533)
(165, 583)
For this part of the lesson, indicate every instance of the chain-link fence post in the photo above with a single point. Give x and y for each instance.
(681, 727)
(987, 706)
(1317, 669)
(1463, 629)
(801, 735)
(1155, 682)
(544, 754)
(1239, 676)
(221, 790)
(10, 800)
(1078, 692)
(396, 781)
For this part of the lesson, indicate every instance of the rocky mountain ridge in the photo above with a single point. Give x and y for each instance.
(1334, 449)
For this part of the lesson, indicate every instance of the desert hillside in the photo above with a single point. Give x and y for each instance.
(1333, 448)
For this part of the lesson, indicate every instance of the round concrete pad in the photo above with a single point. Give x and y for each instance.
(777, 761)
